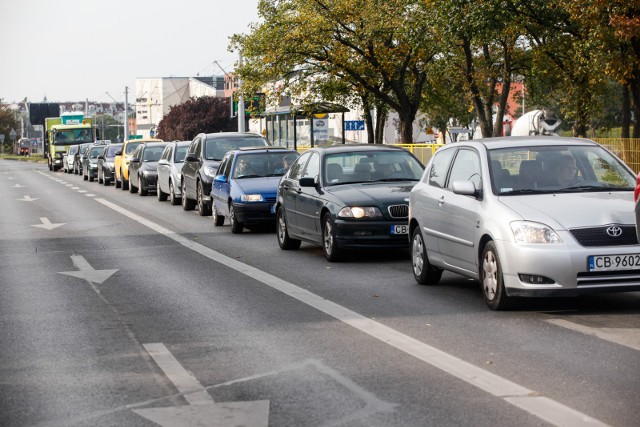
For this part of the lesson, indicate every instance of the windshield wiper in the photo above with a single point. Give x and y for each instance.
(523, 191)
(249, 176)
(394, 179)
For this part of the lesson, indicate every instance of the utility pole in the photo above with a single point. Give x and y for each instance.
(241, 118)
(126, 114)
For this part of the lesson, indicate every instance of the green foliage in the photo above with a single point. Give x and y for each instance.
(7, 122)
(206, 114)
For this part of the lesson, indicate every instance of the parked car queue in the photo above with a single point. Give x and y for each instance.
(501, 211)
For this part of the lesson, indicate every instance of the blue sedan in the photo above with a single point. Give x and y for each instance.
(245, 186)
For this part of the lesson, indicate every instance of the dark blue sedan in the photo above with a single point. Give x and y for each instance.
(245, 186)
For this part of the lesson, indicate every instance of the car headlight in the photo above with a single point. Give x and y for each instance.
(210, 172)
(252, 198)
(360, 212)
(533, 232)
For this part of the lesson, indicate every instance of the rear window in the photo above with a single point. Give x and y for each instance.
(215, 149)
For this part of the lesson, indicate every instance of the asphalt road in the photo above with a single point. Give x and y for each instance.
(119, 310)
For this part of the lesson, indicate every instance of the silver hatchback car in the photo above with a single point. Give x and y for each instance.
(526, 216)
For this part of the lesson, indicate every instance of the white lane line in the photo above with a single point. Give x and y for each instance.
(186, 383)
(528, 400)
(628, 337)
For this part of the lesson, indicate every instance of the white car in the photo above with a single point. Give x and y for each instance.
(169, 168)
(526, 216)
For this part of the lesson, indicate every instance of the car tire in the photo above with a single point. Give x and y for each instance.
(187, 204)
(100, 180)
(91, 178)
(203, 208)
(282, 233)
(172, 195)
(423, 271)
(495, 295)
(141, 190)
(125, 184)
(329, 242)
(132, 188)
(162, 196)
(85, 177)
(236, 226)
(218, 220)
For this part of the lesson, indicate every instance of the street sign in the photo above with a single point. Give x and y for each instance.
(354, 125)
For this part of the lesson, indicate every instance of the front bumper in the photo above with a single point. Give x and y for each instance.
(370, 234)
(254, 213)
(149, 182)
(566, 264)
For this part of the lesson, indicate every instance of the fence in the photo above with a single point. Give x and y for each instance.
(628, 149)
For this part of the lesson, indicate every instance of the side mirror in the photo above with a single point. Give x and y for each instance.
(191, 157)
(136, 160)
(118, 153)
(465, 188)
(308, 182)
(100, 157)
(163, 162)
(220, 178)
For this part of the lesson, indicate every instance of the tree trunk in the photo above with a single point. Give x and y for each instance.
(626, 112)
(381, 120)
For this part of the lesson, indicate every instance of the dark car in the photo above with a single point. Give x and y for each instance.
(143, 169)
(245, 187)
(347, 197)
(78, 157)
(90, 162)
(105, 163)
(202, 161)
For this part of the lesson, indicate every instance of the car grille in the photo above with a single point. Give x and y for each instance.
(613, 278)
(270, 199)
(597, 236)
(399, 211)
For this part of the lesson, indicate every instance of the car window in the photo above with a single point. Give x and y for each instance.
(312, 169)
(113, 149)
(439, 167)
(216, 148)
(152, 153)
(295, 172)
(223, 166)
(466, 167)
(95, 152)
(166, 154)
(180, 154)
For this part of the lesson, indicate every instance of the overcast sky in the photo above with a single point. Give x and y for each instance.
(73, 50)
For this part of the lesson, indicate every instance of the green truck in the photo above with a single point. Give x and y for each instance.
(63, 132)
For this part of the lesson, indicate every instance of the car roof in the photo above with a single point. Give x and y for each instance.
(347, 148)
(232, 135)
(263, 149)
(526, 141)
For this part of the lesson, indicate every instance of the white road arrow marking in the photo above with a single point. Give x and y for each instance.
(27, 198)
(17, 186)
(202, 410)
(87, 272)
(47, 225)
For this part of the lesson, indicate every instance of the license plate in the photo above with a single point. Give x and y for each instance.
(614, 262)
(399, 229)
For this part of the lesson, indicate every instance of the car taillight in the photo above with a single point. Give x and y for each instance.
(636, 192)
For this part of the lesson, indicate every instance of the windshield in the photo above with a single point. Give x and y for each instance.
(72, 136)
(215, 149)
(131, 147)
(557, 169)
(95, 152)
(180, 154)
(255, 165)
(371, 166)
(113, 149)
(152, 153)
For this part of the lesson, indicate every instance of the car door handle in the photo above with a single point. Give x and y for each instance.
(441, 201)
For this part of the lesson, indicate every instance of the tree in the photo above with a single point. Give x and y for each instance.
(7, 122)
(197, 115)
(381, 48)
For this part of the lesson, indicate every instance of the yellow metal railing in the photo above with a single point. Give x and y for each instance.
(628, 149)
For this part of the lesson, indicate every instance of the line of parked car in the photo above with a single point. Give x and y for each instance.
(532, 216)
